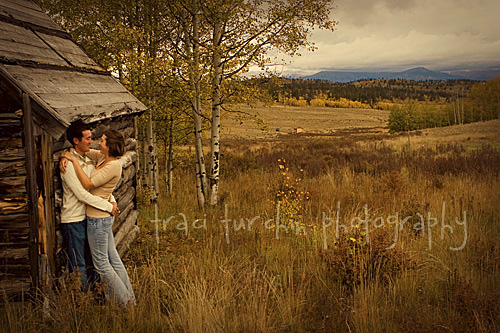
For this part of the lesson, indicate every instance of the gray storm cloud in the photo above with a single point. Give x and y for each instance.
(400, 34)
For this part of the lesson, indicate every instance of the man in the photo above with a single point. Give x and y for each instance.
(75, 199)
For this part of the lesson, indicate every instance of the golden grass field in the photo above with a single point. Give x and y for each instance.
(229, 269)
(360, 123)
(314, 120)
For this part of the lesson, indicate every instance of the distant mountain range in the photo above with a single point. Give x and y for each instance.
(478, 75)
(415, 74)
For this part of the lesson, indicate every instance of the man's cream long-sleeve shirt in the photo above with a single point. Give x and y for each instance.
(75, 197)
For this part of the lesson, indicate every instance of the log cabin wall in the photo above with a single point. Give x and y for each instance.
(125, 226)
(26, 227)
(15, 271)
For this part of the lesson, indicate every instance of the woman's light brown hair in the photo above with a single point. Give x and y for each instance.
(115, 143)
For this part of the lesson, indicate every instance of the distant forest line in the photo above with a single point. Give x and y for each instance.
(372, 91)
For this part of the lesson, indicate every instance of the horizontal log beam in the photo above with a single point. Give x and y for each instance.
(12, 181)
(128, 132)
(15, 270)
(17, 237)
(128, 159)
(122, 216)
(124, 246)
(122, 189)
(126, 199)
(11, 126)
(12, 155)
(127, 175)
(18, 219)
(130, 144)
(16, 256)
(14, 244)
(10, 143)
(15, 285)
(6, 208)
(13, 168)
(126, 226)
(10, 115)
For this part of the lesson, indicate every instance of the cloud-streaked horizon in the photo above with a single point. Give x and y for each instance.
(401, 34)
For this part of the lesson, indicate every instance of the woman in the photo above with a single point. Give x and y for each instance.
(102, 182)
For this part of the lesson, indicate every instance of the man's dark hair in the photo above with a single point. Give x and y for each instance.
(115, 142)
(75, 130)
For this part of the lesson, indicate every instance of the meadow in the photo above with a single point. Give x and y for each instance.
(341, 228)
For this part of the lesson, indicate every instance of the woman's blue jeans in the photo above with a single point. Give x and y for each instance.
(106, 259)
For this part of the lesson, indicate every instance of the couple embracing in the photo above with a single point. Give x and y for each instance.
(88, 209)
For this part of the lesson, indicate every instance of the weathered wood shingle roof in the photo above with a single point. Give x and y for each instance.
(37, 57)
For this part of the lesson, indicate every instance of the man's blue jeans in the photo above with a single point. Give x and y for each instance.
(107, 260)
(78, 251)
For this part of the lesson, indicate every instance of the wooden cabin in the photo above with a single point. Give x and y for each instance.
(46, 82)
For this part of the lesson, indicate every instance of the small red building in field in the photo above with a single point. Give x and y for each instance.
(298, 129)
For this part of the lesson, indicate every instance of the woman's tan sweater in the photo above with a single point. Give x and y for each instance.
(104, 177)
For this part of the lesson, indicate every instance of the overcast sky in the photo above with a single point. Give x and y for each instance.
(397, 35)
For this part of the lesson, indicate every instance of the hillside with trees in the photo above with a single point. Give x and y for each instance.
(481, 103)
(371, 91)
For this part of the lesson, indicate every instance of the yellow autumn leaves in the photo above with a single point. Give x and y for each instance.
(288, 192)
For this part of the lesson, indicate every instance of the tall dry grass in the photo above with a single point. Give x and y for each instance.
(229, 276)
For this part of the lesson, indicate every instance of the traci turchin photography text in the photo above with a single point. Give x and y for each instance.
(427, 224)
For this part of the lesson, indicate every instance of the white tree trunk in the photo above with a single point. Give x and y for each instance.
(143, 159)
(153, 165)
(169, 156)
(463, 110)
(140, 164)
(455, 111)
(194, 77)
(216, 108)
